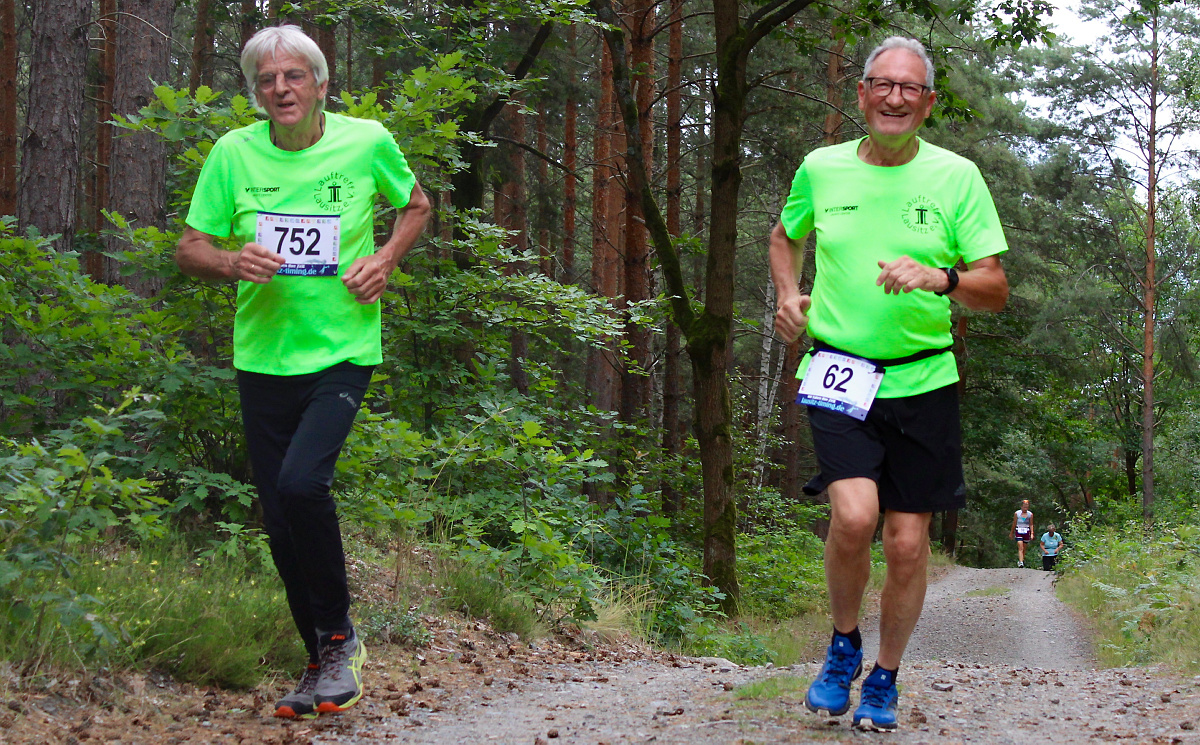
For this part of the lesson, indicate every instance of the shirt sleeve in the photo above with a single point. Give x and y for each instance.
(393, 178)
(797, 216)
(212, 207)
(977, 226)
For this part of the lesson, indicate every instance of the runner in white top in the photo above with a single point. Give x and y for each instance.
(1022, 530)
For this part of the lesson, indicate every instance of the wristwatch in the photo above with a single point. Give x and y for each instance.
(952, 277)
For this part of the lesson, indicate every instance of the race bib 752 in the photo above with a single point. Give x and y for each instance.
(309, 244)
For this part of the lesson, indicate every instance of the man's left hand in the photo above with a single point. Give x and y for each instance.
(906, 275)
(367, 278)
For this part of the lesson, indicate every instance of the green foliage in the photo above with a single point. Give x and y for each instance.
(482, 596)
(1143, 590)
(55, 495)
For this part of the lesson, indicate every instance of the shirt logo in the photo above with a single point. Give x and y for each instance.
(843, 209)
(261, 189)
(922, 215)
(333, 192)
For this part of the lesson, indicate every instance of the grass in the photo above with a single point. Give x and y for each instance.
(223, 622)
(1142, 596)
(770, 689)
(485, 597)
(989, 591)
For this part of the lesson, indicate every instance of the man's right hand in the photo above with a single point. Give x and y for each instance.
(791, 319)
(255, 263)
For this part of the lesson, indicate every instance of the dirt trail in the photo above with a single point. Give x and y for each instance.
(996, 658)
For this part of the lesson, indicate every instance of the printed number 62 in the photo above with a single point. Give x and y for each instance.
(830, 379)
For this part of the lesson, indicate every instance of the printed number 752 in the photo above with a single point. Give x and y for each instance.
(295, 239)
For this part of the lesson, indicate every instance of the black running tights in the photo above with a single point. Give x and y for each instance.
(295, 428)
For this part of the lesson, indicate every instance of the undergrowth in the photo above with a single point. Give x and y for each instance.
(1141, 591)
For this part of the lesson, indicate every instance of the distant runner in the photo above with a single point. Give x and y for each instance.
(297, 193)
(894, 216)
(1051, 544)
(1022, 530)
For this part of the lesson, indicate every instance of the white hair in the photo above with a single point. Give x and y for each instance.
(907, 44)
(289, 39)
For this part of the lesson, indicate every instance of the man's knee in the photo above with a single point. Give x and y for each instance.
(302, 485)
(853, 526)
(906, 539)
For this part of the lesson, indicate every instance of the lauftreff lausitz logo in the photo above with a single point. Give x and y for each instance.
(333, 192)
(922, 215)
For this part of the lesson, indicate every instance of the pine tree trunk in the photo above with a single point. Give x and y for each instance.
(251, 18)
(672, 499)
(601, 372)
(1150, 285)
(202, 47)
(49, 180)
(94, 260)
(511, 214)
(570, 161)
(545, 255)
(635, 375)
(137, 184)
(8, 107)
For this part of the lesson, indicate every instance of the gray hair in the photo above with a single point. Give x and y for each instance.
(291, 40)
(907, 44)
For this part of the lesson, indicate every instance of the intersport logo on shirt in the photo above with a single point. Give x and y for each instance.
(842, 210)
(261, 189)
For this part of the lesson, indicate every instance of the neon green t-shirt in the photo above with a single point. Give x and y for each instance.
(935, 209)
(294, 325)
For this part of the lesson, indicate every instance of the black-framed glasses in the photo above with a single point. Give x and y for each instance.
(882, 87)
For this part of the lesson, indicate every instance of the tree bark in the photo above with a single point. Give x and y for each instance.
(635, 374)
(251, 17)
(708, 333)
(137, 184)
(49, 181)
(672, 498)
(8, 107)
(510, 213)
(202, 47)
(1150, 285)
(570, 162)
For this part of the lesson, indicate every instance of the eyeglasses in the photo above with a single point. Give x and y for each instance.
(882, 87)
(293, 78)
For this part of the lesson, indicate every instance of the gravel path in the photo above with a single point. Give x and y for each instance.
(996, 658)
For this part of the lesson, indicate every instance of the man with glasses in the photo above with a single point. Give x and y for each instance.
(296, 194)
(894, 216)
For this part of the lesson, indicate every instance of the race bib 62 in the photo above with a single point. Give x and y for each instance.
(840, 383)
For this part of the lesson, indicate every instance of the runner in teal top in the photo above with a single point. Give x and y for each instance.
(894, 217)
(1051, 543)
(298, 194)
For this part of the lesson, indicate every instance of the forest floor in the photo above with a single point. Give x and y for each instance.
(996, 658)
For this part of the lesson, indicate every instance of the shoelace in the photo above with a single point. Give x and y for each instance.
(308, 681)
(875, 696)
(333, 660)
(840, 666)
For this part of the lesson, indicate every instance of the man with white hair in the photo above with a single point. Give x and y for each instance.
(297, 192)
(894, 216)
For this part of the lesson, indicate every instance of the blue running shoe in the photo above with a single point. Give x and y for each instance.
(877, 711)
(830, 692)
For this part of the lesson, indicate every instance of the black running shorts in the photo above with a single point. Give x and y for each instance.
(910, 447)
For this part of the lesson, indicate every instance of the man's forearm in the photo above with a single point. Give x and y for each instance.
(410, 223)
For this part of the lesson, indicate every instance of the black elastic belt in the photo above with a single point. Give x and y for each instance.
(820, 346)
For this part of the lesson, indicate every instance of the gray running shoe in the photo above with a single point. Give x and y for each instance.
(299, 703)
(342, 658)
